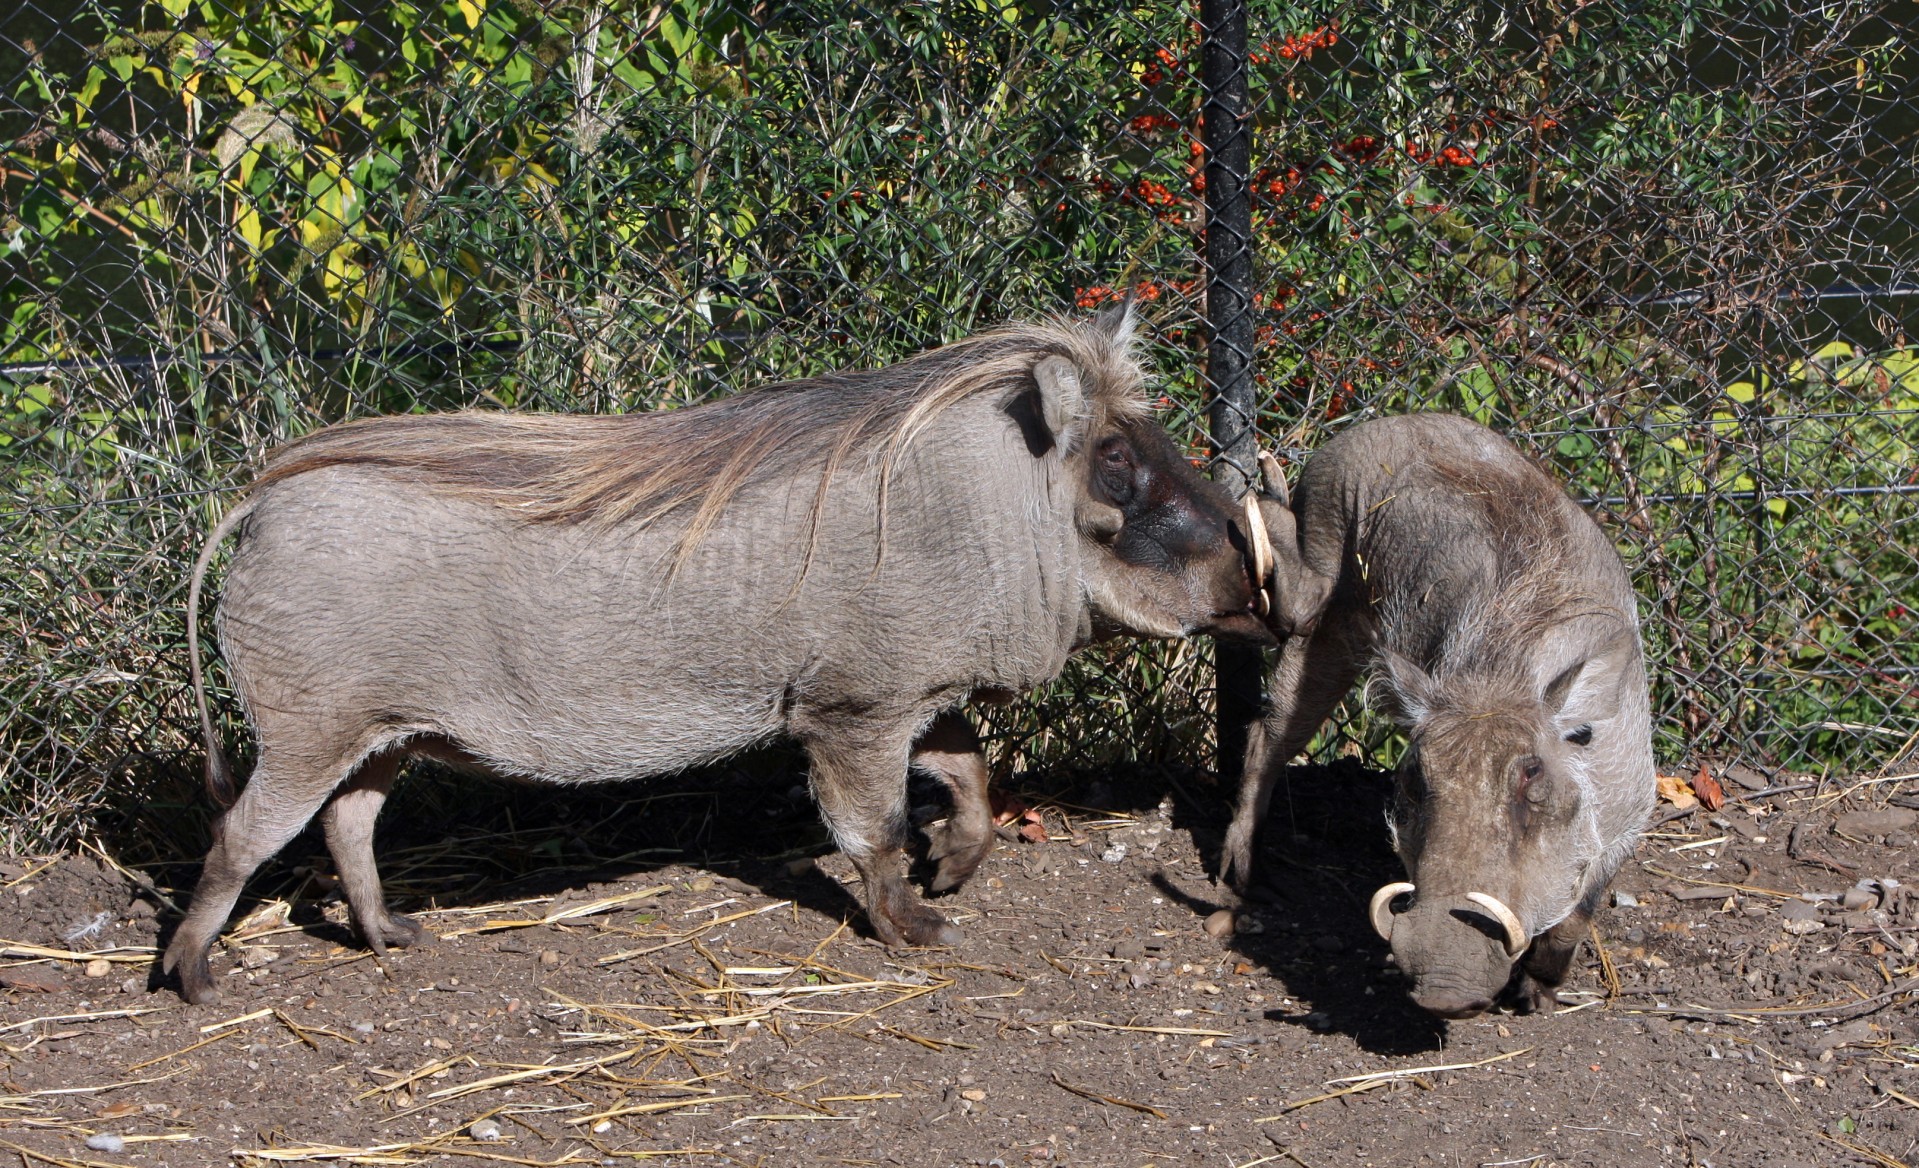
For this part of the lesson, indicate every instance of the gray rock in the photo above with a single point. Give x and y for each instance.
(1799, 910)
(1898, 839)
(1873, 824)
(1129, 950)
(484, 1129)
(1624, 900)
(106, 1142)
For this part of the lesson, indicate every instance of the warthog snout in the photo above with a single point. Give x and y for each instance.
(1179, 552)
(1458, 950)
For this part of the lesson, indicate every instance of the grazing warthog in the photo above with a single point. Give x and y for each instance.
(581, 599)
(1502, 633)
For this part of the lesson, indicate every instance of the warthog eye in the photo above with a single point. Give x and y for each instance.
(1581, 736)
(1530, 768)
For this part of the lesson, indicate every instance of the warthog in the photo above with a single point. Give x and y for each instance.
(1502, 633)
(580, 599)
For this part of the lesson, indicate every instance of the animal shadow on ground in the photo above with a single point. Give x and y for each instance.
(447, 841)
(451, 841)
(1322, 852)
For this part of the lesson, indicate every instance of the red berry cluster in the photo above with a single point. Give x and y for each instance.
(1361, 149)
(1297, 44)
(1446, 156)
(1153, 123)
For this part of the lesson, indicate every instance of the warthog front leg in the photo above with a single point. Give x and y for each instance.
(1312, 675)
(348, 819)
(859, 781)
(951, 750)
(1537, 977)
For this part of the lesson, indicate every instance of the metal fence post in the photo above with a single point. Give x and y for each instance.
(1232, 408)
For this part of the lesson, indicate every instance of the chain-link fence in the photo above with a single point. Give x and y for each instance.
(1665, 244)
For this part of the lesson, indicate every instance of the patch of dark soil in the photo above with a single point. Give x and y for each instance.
(678, 971)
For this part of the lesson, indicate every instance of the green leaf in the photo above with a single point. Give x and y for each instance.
(1742, 392)
(46, 211)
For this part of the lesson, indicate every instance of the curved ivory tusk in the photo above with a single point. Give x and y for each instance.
(1381, 908)
(1516, 939)
(1273, 479)
(1262, 549)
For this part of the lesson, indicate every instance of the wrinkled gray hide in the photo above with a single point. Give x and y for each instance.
(1501, 632)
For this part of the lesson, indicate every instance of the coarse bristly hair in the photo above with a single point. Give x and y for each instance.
(554, 468)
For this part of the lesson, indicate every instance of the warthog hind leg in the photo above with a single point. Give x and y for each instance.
(950, 750)
(348, 819)
(280, 797)
(859, 781)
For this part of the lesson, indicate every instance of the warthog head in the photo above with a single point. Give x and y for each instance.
(1494, 811)
(1166, 552)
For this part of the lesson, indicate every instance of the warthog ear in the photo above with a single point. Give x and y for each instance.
(1401, 689)
(1062, 402)
(1587, 691)
(1118, 321)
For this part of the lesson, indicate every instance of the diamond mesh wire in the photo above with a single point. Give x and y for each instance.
(1667, 246)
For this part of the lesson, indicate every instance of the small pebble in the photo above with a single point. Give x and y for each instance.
(99, 967)
(1858, 898)
(1220, 925)
(484, 1129)
(1114, 854)
(106, 1142)
(549, 957)
(1624, 900)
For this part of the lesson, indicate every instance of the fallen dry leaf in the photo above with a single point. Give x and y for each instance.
(116, 1110)
(1011, 809)
(1708, 789)
(1007, 808)
(1676, 791)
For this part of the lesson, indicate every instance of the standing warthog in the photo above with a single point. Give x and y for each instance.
(1502, 632)
(581, 599)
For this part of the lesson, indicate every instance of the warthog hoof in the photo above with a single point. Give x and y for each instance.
(397, 931)
(958, 853)
(1526, 994)
(196, 976)
(909, 922)
(930, 930)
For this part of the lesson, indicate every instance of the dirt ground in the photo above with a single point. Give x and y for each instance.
(677, 974)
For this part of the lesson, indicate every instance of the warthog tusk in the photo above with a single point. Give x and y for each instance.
(1273, 479)
(1381, 909)
(1262, 549)
(1516, 939)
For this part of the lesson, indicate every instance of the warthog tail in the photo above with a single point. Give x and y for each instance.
(219, 775)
